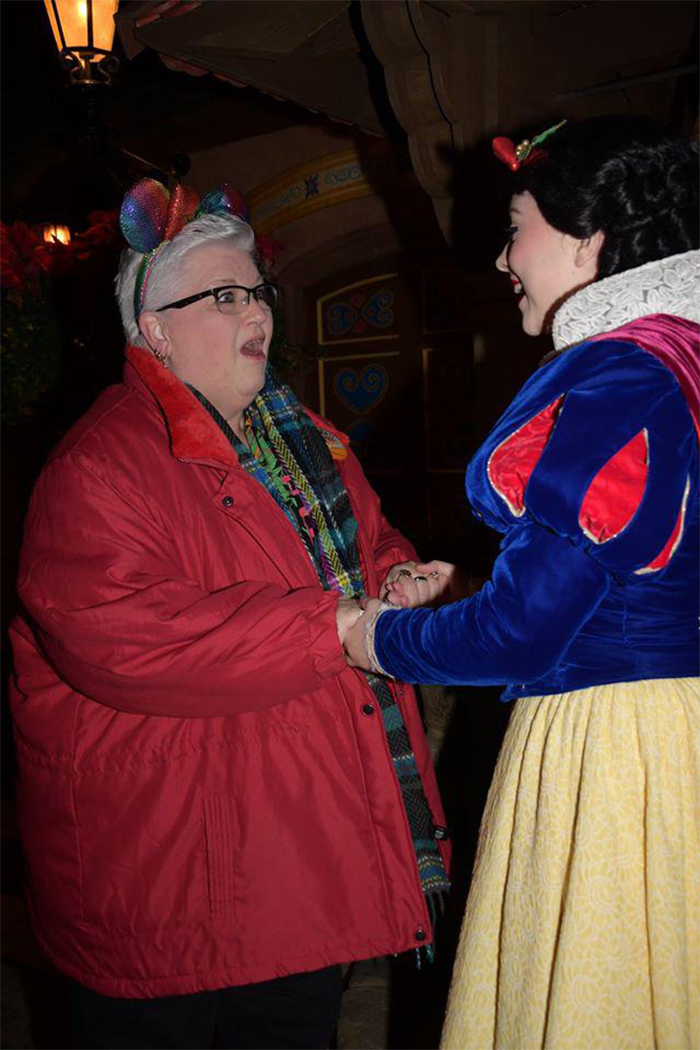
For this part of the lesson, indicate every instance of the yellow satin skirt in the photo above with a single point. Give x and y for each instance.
(582, 928)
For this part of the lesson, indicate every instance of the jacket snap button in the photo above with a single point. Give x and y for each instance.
(368, 709)
(420, 934)
(227, 501)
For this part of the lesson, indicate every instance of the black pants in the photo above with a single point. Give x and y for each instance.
(300, 1011)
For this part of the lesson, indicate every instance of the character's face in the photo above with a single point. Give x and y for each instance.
(223, 355)
(545, 265)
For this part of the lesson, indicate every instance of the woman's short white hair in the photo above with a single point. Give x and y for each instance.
(167, 270)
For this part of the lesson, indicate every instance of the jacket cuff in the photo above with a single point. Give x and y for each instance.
(325, 649)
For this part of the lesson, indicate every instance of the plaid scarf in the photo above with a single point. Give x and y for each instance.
(290, 457)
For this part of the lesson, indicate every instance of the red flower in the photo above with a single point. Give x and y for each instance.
(53, 257)
(20, 266)
(10, 267)
(104, 229)
(25, 255)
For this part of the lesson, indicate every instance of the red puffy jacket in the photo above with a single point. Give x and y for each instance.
(206, 795)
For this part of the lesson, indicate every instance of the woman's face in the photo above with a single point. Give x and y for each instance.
(545, 265)
(224, 356)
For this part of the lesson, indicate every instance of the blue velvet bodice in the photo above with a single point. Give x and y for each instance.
(565, 608)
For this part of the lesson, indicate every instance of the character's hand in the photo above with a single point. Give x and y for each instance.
(402, 570)
(356, 637)
(417, 583)
(347, 612)
(453, 583)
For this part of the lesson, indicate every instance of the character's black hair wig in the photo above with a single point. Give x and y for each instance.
(633, 178)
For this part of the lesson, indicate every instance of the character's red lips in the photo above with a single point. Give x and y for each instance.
(517, 285)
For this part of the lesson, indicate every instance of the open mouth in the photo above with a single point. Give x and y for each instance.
(255, 349)
(517, 286)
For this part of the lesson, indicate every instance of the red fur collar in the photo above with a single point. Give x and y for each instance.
(193, 433)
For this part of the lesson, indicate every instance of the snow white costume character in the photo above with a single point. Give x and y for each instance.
(583, 921)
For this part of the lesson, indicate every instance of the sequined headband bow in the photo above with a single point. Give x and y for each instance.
(151, 215)
(525, 151)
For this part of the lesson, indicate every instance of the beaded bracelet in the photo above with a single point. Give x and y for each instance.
(370, 651)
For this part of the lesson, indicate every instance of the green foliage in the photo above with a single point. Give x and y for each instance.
(30, 353)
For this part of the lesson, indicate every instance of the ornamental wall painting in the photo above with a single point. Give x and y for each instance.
(306, 188)
(447, 406)
(366, 310)
(366, 395)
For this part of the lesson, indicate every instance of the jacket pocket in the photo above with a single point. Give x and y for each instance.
(142, 851)
(220, 829)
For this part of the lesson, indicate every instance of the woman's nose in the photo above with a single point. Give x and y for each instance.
(256, 311)
(502, 260)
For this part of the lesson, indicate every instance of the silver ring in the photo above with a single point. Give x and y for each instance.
(421, 579)
(434, 575)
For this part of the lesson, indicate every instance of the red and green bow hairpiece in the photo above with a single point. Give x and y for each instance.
(151, 215)
(525, 151)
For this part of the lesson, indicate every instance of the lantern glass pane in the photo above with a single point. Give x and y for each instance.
(73, 15)
(60, 234)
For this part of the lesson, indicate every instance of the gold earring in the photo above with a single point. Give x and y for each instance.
(159, 357)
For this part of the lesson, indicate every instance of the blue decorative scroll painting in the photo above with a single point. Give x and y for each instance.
(361, 391)
(360, 315)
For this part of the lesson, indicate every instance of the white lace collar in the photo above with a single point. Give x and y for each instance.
(666, 286)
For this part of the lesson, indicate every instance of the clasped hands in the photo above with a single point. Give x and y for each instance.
(406, 586)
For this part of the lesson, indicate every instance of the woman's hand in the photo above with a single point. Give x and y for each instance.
(405, 586)
(411, 584)
(355, 644)
(403, 569)
(347, 612)
(454, 583)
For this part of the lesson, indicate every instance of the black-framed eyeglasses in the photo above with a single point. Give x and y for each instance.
(231, 298)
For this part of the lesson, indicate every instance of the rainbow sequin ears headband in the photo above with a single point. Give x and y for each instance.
(525, 151)
(151, 215)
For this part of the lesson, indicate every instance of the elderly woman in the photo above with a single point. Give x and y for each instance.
(582, 926)
(216, 811)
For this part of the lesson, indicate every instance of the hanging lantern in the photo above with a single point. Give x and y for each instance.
(84, 33)
(57, 234)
